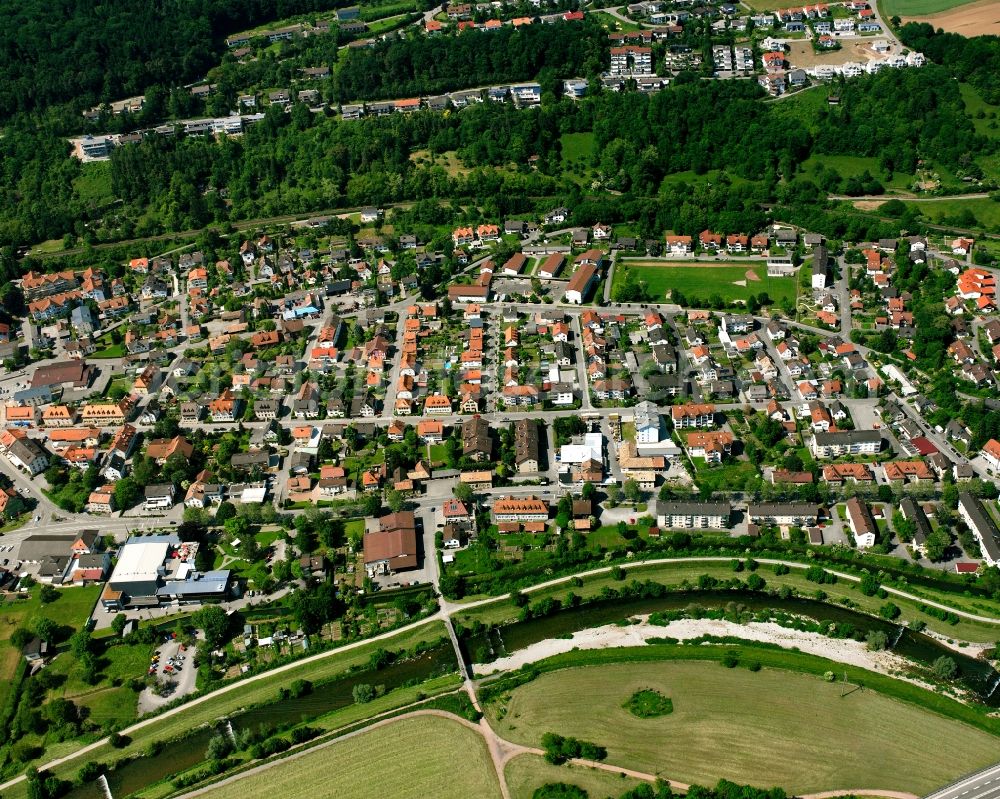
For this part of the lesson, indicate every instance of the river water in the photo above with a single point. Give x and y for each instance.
(324, 698)
(977, 675)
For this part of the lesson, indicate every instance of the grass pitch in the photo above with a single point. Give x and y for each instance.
(702, 280)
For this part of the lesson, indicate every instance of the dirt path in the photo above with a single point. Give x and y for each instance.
(310, 749)
(502, 752)
(457, 607)
(235, 686)
(448, 609)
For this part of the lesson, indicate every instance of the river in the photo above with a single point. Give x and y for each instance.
(976, 675)
(189, 751)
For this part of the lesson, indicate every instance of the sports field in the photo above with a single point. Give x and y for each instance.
(526, 773)
(408, 759)
(772, 727)
(703, 280)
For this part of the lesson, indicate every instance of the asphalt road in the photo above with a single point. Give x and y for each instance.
(982, 785)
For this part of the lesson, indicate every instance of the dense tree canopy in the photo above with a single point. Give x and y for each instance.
(429, 65)
(975, 60)
(88, 53)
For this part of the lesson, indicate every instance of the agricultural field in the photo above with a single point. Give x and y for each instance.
(767, 5)
(957, 16)
(916, 8)
(419, 756)
(797, 731)
(703, 280)
(526, 773)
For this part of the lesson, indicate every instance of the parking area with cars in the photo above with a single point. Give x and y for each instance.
(172, 664)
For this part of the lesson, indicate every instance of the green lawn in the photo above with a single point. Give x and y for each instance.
(914, 8)
(849, 166)
(267, 537)
(48, 247)
(727, 476)
(701, 281)
(71, 609)
(577, 150)
(106, 699)
(773, 727)
(407, 759)
(93, 186)
(114, 351)
(974, 103)
(804, 106)
(984, 213)
(711, 176)
(613, 23)
(577, 145)
(526, 773)
(354, 527)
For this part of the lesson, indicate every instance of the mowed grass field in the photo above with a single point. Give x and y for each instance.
(526, 773)
(772, 727)
(408, 759)
(698, 280)
(914, 8)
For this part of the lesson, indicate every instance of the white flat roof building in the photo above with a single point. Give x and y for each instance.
(141, 564)
(140, 561)
(254, 495)
(592, 448)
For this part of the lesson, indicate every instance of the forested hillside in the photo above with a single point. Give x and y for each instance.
(302, 162)
(975, 60)
(429, 65)
(91, 52)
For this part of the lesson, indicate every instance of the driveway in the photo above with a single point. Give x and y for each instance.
(181, 681)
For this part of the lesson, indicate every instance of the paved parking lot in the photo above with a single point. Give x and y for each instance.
(176, 669)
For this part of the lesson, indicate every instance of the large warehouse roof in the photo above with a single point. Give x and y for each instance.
(141, 558)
